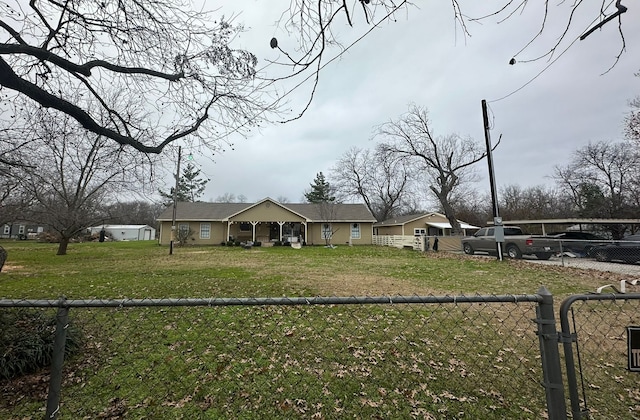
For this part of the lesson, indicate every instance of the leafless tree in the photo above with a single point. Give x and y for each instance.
(77, 174)
(227, 198)
(13, 197)
(174, 64)
(133, 212)
(536, 202)
(381, 180)
(446, 162)
(602, 179)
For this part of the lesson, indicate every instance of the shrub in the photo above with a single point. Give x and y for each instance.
(26, 341)
(49, 237)
(277, 243)
(257, 243)
(230, 243)
(237, 243)
(223, 243)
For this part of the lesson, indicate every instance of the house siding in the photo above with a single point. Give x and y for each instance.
(269, 220)
(341, 234)
(389, 230)
(217, 236)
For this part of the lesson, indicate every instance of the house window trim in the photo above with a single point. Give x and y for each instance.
(181, 225)
(356, 231)
(6, 230)
(419, 231)
(205, 230)
(326, 233)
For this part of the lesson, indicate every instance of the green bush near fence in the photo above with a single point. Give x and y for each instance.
(26, 341)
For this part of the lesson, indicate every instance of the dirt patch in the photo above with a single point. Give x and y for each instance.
(8, 267)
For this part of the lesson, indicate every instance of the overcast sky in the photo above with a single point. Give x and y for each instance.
(422, 58)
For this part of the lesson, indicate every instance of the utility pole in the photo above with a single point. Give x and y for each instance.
(175, 202)
(497, 220)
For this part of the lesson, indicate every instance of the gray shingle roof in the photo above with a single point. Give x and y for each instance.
(314, 212)
(401, 220)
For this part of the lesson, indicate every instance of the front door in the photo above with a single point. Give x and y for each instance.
(274, 232)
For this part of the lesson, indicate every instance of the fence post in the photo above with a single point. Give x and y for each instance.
(57, 360)
(550, 355)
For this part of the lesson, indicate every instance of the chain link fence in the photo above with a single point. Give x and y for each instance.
(594, 330)
(403, 357)
(603, 255)
(622, 251)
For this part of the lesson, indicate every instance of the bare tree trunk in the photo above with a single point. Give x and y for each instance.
(3, 257)
(449, 212)
(62, 247)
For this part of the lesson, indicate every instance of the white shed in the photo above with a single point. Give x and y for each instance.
(127, 232)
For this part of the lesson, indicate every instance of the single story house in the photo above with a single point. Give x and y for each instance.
(20, 230)
(268, 221)
(404, 230)
(429, 224)
(127, 232)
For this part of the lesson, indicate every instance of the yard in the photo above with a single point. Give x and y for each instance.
(145, 270)
(307, 362)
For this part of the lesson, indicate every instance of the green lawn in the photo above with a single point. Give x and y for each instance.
(146, 270)
(366, 361)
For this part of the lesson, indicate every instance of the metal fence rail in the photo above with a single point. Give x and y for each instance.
(594, 331)
(320, 357)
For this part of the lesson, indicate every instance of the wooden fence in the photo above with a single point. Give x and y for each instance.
(445, 243)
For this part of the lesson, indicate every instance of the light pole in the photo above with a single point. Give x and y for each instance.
(175, 202)
(497, 220)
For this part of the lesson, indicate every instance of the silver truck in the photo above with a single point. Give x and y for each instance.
(516, 243)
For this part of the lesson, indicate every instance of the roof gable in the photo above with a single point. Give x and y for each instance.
(265, 204)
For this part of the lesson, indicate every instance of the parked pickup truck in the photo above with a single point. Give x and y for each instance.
(516, 243)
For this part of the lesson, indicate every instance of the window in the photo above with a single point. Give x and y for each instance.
(419, 231)
(326, 231)
(21, 230)
(245, 227)
(7, 229)
(355, 230)
(205, 230)
(183, 229)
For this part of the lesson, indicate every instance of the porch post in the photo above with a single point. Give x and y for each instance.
(281, 223)
(254, 230)
(305, 231)
(228, 231)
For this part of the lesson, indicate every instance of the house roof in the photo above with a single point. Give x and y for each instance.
(218, 212)
(121, 227)
(402, 220)
(447, 225)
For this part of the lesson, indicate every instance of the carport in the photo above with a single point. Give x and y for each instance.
(581, 223)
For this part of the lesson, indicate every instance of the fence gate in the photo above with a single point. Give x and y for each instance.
(601, 340)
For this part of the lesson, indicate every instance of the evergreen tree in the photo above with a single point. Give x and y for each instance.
(190, 185)
(321, 191)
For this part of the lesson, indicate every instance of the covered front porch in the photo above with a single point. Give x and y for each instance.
(267, 231)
